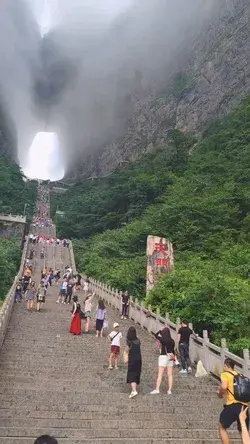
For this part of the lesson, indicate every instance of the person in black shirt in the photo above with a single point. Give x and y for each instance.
(166, 359)
(184, 334)
(125, 305)
(133, 350)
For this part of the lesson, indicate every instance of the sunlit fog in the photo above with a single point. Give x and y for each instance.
(44, 160)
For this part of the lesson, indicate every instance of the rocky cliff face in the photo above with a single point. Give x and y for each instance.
(211, 81)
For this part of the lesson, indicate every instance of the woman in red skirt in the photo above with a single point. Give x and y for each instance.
(76, 328)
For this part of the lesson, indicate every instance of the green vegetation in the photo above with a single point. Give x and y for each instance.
(182, 83)
(15, 192)
(201, 202)
(10, 255)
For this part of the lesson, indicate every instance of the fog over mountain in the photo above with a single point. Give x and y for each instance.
(83, 78)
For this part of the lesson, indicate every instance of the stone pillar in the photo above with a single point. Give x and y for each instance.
(224, 349)
(246, 364)
(205, 343)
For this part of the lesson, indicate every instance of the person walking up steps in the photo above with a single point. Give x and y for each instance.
(62, 291)
(115, 337)
(41, 293)
(87, 310)
(132, 355)
(69, 290)
(125, 305)
(101, 314)
(232, 409)
(30, 295)
(184, 334)
(165, 360)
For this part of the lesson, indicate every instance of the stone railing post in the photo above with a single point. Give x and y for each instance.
(246, 365)
(167, 319)
(150, 319)
(205, 343)
(224, 349)
(157, 323)
(178, 325)
(142, 315)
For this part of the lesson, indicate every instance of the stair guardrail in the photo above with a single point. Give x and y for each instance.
(201, 349)
(7, 307)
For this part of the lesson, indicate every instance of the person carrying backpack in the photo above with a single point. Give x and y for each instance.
(236, 389)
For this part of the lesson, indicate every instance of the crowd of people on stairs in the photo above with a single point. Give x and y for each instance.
(89, 314)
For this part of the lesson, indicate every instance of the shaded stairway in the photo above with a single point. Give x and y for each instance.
(60, 384)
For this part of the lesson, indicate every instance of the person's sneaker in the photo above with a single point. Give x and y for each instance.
(68, 303)
(189, 369)
(110, 367)
(116, 367)
(57, 302)
(155, 392)
(169, 392)
(183, 371)
(121, 317)
(133, 394)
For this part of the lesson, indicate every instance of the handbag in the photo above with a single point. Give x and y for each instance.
(125, 357)
(105, 323)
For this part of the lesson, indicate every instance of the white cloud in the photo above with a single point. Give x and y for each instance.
(44, 161)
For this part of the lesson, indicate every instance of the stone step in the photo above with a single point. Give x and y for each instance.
(28, 440)
(119, 423)
(101, 415)
(98, 430)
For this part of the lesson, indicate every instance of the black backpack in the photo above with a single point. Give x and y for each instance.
(241, 387)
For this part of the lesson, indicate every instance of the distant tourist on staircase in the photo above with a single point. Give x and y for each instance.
(134, 360)
(165, 360)
(30, 295)
(75, 327)
(86, 286)
(184, 334)
(18, 292)
(62, 292)
(231, 412)
(115, 337)
(87, 310)
(41, 293)
(46, 439)
(125, 305)
(69, 290)
(101, 313)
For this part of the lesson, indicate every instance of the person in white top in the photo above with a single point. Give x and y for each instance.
(115, 338)
(87, 310)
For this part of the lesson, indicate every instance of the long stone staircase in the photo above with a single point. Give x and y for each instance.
(56, 383)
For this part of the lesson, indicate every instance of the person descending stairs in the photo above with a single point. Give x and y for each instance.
(59, 384)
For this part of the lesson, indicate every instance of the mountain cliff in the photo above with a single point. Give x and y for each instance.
(213, 76)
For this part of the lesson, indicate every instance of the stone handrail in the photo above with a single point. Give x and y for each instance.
(72, 258)
(13, 218)
(7, 306)
(202, 349)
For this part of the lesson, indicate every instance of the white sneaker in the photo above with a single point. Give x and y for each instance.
(183, 371)
(189, 369)
(133, 394)
(57, 302)
(121, 317)
(155, 392)
(169, 392)
(110, 367)
(116, 367)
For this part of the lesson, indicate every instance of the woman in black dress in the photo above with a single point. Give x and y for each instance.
(133, 350)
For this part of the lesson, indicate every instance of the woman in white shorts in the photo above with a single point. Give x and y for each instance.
(165, 360)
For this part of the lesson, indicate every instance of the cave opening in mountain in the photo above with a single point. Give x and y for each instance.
(44, 160)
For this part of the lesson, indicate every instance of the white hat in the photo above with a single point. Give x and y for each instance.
(115, 325)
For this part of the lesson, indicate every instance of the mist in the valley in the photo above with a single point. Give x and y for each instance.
(82, 79)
